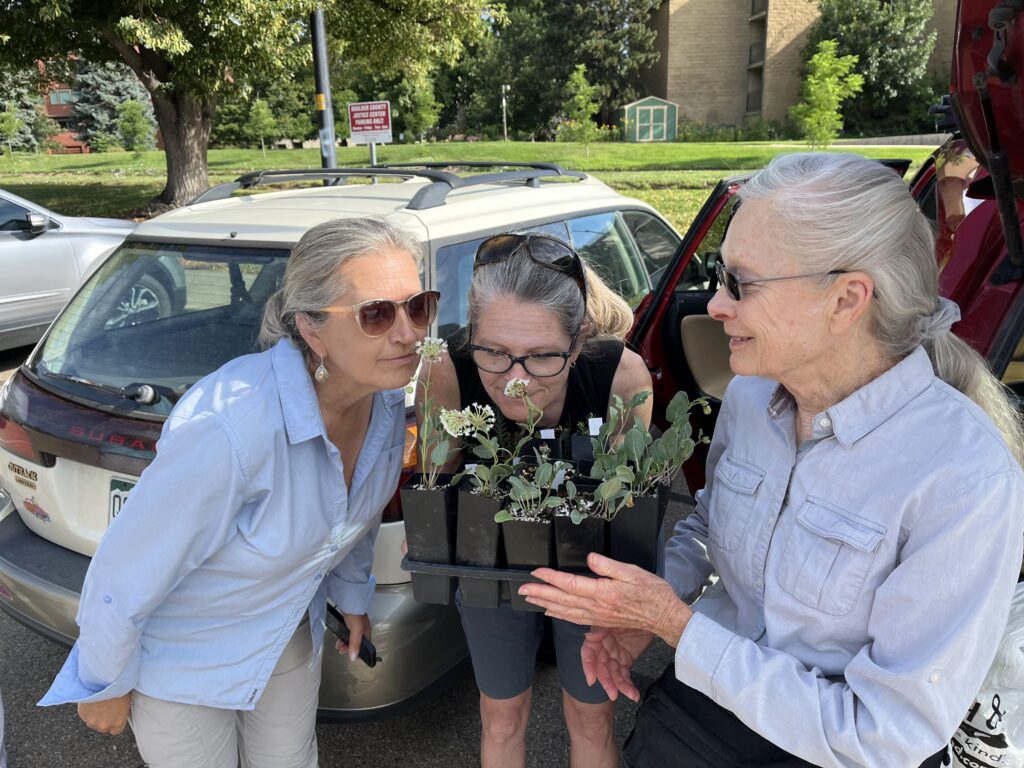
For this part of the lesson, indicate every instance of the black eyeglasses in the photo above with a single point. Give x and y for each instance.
(735, 286)
(377, 316)
(540, 364)
(548, 251)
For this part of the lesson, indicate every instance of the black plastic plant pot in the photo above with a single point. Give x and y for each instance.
(574, 541)
(635, 531)
(478, 542)
(528, 545)
(430, 534)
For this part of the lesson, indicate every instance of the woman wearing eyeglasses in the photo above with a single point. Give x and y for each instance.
(862, 512)
(202, 612)
(537, 312)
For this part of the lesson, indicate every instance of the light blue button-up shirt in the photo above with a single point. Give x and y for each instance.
(864, 581)
(240, 526)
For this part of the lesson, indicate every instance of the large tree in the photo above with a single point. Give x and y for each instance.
(186, 52)
(892, 43)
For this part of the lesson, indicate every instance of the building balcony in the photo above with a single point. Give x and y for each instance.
(756, 57)
(758, 9)
(754, 101)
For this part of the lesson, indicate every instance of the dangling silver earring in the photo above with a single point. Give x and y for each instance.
(321, 374)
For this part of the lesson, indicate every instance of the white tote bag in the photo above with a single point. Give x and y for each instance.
(992, 732)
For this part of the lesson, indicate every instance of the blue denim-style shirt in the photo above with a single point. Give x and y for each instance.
(240, 526)
(864, 580)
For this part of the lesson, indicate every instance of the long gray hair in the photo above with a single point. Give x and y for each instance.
(845, 212)
(308, 286)
(521, 278)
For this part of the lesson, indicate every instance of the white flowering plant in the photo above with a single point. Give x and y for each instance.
(629, 462)
(496, 461)
(435, 444)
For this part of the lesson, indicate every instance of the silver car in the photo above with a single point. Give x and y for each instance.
(44, 258)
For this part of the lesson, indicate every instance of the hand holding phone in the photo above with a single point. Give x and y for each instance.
(336, 623)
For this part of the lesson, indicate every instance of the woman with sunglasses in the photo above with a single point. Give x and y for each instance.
(863, 505)
(202, 613)
(537, 312)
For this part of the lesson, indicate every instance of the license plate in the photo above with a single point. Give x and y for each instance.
(118, 495)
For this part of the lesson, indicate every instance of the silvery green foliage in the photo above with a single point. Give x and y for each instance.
(629, 462)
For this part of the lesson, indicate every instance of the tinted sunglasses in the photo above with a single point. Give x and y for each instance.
(549, 252)
(735, 286)
(377, 316)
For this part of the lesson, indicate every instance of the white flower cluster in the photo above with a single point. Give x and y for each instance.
(517, 388)
(431, 349)
(471, 420)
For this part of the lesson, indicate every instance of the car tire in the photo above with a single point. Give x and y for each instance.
(147, 300)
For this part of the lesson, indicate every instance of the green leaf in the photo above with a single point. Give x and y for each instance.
(440, 453)
(545, 473)
(551, 502)
(678, 408)
(608, 489)
(625, 474)
(577, 516)
(503, 516)
(570, 490)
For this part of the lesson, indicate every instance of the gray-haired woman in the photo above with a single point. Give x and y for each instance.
(536, 311)
(863, 506)
(202, 612)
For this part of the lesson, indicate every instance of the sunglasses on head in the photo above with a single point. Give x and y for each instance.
(377, 316)
(545, 250)
(734, 285)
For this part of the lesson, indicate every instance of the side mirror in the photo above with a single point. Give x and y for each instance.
(37, 223)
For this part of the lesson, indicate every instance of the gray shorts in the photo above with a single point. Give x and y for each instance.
(503, 647)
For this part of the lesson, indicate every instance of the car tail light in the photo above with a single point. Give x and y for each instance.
(393, 511)
(14, 438)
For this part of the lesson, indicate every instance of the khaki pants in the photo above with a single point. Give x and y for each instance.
(278, 733)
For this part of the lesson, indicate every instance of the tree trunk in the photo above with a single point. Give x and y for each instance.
(185, 123)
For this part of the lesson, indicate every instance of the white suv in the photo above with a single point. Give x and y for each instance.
(77, 426)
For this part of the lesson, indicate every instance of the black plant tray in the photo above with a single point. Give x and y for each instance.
(518, 575)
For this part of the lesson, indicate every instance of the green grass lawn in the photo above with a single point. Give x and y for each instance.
(674, 178)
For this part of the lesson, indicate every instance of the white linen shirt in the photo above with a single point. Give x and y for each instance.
(864, 582)
(241, 524)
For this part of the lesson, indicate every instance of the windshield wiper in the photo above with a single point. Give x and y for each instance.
(144, 394)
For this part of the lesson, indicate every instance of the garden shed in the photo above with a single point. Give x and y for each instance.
(649, 119)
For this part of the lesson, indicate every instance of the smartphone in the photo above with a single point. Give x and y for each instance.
(336, 623)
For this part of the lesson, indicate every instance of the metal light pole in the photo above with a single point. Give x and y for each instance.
(322, 79)
(504, 115)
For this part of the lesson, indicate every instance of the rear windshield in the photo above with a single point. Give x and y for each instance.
(158, 315)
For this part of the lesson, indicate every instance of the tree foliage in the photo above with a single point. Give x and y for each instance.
(188, 52)
(534, 48)
(581, 105)
(829, 82)
(892, 43)
(134, 127)
(20, 96)
(102, 88)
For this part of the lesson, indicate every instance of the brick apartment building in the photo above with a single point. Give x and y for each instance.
(59, 102)
(727, 61)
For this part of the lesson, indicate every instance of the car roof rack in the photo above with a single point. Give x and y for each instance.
(431, 196)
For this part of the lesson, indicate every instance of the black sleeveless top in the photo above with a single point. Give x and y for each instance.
(589, 385)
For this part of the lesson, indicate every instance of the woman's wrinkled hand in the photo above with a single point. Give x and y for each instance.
(622, 597)
(608, 656)
(108, 716)
(358, 627)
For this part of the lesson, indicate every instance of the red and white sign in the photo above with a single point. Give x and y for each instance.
(370, 122)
